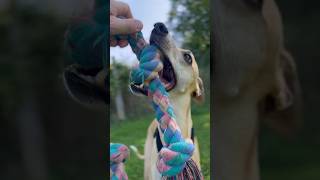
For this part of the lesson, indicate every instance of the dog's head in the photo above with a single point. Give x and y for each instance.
(180, 72)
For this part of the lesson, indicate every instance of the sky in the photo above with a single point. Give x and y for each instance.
(149, 12)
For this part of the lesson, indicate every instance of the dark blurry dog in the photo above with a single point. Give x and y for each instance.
(255, 80)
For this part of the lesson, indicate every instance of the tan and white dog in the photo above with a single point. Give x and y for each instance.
(181, 78)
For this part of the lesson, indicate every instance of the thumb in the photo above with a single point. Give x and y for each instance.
(124, 26)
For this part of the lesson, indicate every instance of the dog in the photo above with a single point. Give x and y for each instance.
(180, 76)
(255, 81)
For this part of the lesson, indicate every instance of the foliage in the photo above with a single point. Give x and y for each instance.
(119, 80)
(119, 77)
(191, 19)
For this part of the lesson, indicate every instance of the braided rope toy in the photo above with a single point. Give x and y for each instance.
(174, 161)
(118, 155)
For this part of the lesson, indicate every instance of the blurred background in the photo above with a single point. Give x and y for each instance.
(44, 133)
(298, 157)
(188, 23)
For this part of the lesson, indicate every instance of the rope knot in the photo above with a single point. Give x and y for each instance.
(118, 155)
(172, 159)
(149, 67)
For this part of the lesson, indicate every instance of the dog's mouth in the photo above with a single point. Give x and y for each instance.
(167, 75)
(159, 38)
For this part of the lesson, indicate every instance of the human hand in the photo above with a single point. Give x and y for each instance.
(120, 26)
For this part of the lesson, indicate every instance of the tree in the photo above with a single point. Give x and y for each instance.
(191, 20)
(119, 76)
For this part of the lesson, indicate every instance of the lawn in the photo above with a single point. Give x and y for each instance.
(133, 131)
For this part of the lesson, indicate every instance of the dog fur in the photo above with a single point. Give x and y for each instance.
(255, 80)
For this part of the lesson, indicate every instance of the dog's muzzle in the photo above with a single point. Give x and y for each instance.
(160, 29)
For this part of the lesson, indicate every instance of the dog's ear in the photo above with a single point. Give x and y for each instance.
(85, 86)
(198, 94)
(282, 108)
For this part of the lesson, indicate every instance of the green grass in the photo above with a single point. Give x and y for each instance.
(133, 131)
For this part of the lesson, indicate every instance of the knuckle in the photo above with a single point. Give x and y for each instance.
(126, 7)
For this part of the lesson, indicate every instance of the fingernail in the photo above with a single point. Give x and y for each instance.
(138, 25)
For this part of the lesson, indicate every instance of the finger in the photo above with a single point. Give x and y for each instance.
(123, 43)
(113, 43)
(124, 26)
(119, 8)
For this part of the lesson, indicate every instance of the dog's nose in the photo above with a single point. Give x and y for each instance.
(160, 28)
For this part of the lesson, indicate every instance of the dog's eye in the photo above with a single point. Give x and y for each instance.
(255, 3)
(187, 58)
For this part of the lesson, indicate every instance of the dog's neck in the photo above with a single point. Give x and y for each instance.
(181, 103)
